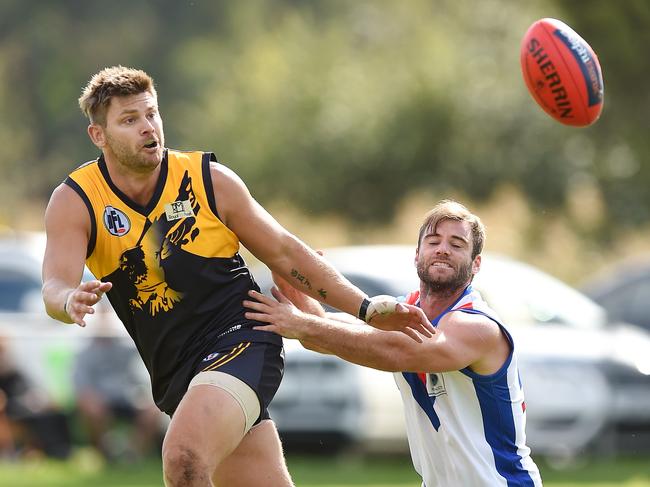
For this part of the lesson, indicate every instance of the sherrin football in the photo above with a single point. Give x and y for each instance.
(562, 73)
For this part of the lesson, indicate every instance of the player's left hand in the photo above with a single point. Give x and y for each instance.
(80, 301)
(279, 315)
(386, 313)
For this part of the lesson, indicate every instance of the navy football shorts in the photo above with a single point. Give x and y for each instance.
(258, 364)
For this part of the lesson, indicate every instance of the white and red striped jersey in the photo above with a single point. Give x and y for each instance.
(466, 429)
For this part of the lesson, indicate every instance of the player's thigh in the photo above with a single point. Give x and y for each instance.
(259, 365)
(258, 460)
(206, 427)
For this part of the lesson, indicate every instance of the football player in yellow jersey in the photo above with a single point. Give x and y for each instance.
(160, 229)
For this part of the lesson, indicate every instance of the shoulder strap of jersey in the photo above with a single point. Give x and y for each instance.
(207, 158)
(71, 183)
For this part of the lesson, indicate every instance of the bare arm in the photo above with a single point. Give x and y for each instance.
(294, 261)
(299, 299)
(280, 250)
(67, 225)
(463, 339)
(310, 306)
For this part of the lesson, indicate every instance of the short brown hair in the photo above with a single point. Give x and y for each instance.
(110, 82)
(452, 210)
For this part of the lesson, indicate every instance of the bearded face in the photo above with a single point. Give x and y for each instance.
(456, 277)
(130, 155)
(444, 257)
(133, 136)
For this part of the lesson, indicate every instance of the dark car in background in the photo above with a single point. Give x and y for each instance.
(624, 291)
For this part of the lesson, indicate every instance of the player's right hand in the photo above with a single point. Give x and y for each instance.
(80, 301)
(385, 313)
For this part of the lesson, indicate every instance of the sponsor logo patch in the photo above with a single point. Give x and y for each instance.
(436, 385)
(178, 209)
(116, 221)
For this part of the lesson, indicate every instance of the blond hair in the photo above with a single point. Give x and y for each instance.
(110, 82)
(452, 210)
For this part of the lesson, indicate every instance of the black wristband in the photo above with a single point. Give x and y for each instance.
(363, 309)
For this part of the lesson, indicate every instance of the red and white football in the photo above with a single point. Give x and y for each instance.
(562, 73)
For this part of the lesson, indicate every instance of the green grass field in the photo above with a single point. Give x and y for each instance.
(85, 470)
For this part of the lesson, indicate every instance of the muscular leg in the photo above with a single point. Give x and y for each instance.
(207, 426)
(258, 460)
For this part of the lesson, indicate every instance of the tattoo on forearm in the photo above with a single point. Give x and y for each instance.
(300, 278)
(305, 282)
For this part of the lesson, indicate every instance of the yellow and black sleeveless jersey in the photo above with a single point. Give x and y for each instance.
(178, 279)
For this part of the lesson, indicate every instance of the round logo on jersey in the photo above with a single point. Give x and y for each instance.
(116, 221)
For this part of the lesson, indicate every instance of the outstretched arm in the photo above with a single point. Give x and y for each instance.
(348, 340)
(464, 339)
(294, 261)
(299, 299)
(307, 305)
(67, 225)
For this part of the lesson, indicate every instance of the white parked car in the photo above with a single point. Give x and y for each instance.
(585, 379)
(44, 348)
(567, 354)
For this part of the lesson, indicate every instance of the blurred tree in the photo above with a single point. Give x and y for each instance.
(349, 108)
(620, 34)
(336, 106)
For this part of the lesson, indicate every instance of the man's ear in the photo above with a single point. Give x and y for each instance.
(476, 264)
(97, 135)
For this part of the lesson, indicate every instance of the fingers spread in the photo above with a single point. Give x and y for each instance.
(424, 330)
(424, 324)
(413, 334)
(105, 287)
(78, 319)
(259, 296)
(90, 286)
(265, 328)
(87, 297)
(255, 305)
(257, 317)
(277, 294)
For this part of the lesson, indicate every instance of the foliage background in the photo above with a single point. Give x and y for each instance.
(350, 119)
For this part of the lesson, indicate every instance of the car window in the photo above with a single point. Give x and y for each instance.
(522, 294)
(16, 289)
(629, 302)
(372, 287)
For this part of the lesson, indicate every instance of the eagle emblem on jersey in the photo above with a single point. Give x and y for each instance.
(141, 268)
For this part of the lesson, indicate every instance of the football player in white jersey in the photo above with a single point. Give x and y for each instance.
(463, 399)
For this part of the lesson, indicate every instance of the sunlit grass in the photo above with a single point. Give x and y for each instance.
(309, 471)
